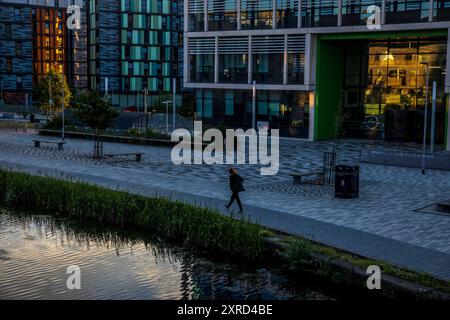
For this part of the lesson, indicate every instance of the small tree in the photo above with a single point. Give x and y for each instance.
(158, 104)
(53, 84)
(96, 112)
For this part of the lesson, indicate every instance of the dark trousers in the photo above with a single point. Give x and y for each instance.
(235, 196)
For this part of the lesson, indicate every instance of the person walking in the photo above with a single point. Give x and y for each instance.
(236, 186)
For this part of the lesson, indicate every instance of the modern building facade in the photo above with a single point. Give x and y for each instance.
(34, 39)
(315, 64)
(135, 45)
(122, 46)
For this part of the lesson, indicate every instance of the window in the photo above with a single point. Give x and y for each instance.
(8, 32)
(403, 11)
(9, 65)
(229, 103)
(18, 48)
(19, 82)
(16, 14)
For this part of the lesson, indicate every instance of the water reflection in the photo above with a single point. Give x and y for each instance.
(35, 252)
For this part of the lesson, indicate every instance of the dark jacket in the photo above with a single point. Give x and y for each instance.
(236, 183)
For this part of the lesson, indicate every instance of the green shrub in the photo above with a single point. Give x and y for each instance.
(200, 227)
(56, 123)
(299, 254)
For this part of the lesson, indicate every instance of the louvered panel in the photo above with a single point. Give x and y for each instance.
(268, 44)
(230, 45)
(361, 2)
(222, 6)
(196, 6)
(287, 4)
(201, 45)
(408, 5)
(296, 44)
(258, 5)
(320, 3)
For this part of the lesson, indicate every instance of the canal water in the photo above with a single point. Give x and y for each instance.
(36, 251)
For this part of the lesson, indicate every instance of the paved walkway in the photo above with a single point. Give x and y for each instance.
(384, 223)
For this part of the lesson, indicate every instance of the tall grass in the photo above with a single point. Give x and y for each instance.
(199, 227)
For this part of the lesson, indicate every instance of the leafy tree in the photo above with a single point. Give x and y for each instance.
(97, 113)
(158, 105)
(53, 83)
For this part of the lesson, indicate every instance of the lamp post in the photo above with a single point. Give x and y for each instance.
(254, 106)
(433, 117)
(425, 124)
(174, 103)
(167, 114)
(1, 92)
(145, 91)
(62, 115)
(50, 100)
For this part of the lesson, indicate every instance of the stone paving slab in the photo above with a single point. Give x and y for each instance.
(383, 223)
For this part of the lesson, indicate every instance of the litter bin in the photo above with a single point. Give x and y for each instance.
(347, 182)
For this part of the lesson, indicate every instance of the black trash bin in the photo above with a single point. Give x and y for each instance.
(347, 182)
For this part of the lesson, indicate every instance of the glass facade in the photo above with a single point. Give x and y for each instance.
(233, 68)
(385, 85)
(320, 13)
(442, 10)
(287, 111)
(355, 12)
(49, 42)
(149, 40)
(287, 12)
(404, 11)
(382, 85)
(266, 64)
(136, 44)
(202, 68)
(256, 14)
(222, 15)
(268, 68)
(296, 68)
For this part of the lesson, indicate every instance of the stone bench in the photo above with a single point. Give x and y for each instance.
(444, 207)
(137, 155)
(298, 177)
(37, 143)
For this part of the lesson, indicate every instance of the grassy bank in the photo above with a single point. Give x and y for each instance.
(344, 268)
(175, 221)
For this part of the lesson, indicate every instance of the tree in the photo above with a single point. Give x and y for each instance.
(53, 84)
(157, 103)
(97, 113)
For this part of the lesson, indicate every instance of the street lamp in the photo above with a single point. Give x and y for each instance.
(145, 92)
(167, 114)
(174, 103)
(50, 100)
(62, 115)
(424, 147)
(254, 105)
(1, 92)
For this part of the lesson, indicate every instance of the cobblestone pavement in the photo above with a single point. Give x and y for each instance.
(384, 222)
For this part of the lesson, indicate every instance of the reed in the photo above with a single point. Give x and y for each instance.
(202, 228)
